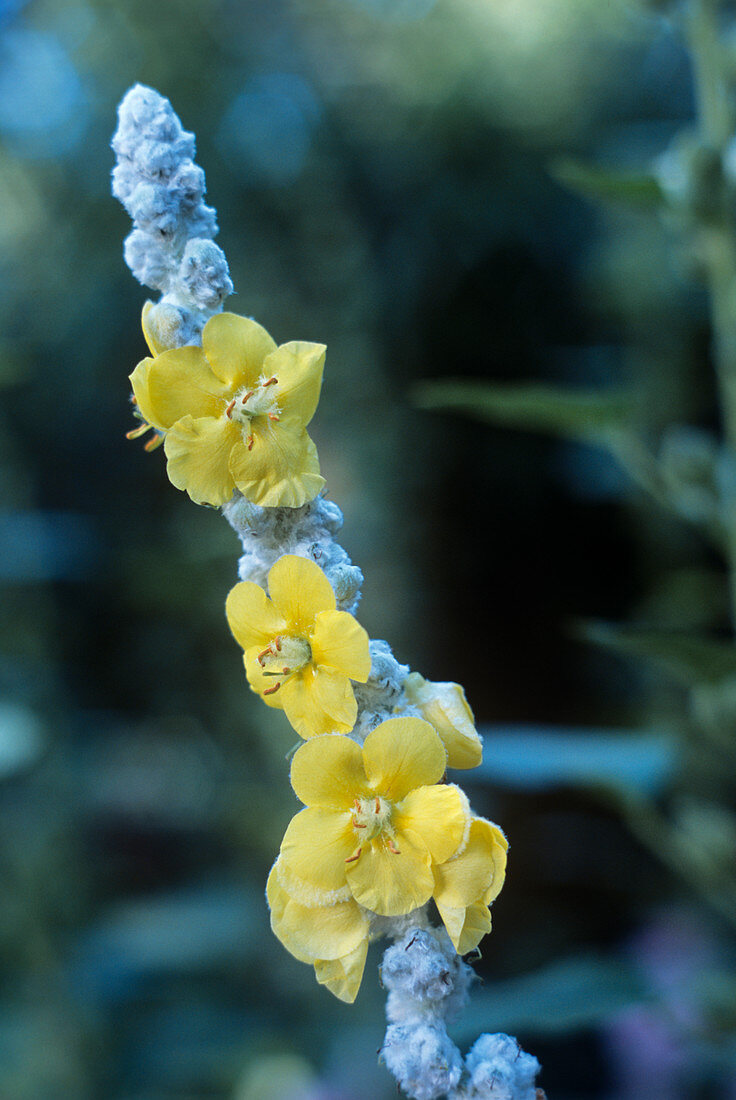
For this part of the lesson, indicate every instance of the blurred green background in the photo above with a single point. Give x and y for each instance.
(388, 181)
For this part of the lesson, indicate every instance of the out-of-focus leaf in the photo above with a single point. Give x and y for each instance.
(640, 189)
(539, 757)
(21, 740)
(573, 413)
(568, 995)
(690, 659)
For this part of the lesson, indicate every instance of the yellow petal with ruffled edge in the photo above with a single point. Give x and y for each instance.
(343, 976)
(198, 453)
(403, 753)
(253, 619)
(388, 883)
(466, 927)
(180, 383)
(298, 366)
(281, 470)
(440, 815)
(311, 933)
(317, 701)
(299, 590)
(327, 773)
(444, 706)
(314, 849)
(236, 348)
(340, 642)
(466, 879)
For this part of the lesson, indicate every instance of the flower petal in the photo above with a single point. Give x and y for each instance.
(440, 815)
(280, 470)
(391, 884)
(340, 642)
(154, 346)
(468, 877)
(444, 706)
(298, 367)
(198, 453)
(314, 849)
(139, 382)
(236, 348)
(310, 933)
(253, 619)
(319, 700)
(466, 927)
(403, 753)
(299, 590)
(343, 976)
(327, 772)
(180, 383)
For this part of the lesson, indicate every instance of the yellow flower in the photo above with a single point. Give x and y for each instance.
(444, 705)
(332, 938)
(466, 884)
(376, 819)
(300, 652)
(234, 413)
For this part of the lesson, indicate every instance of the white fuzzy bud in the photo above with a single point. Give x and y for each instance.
(498, 1069)
(158, 183)
(423, 1059)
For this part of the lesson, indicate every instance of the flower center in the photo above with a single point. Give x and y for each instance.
(249, 403)
(285, 655)
(371, 819)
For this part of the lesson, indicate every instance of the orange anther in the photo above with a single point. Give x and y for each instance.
(263, 654)
(378, 805)
(352, 859)
(153, 443)
(357, 825)
(357, 805)
(134, 433)
(270, 691)
(229, 409)
(277, 643)
(250, 442)
(392, 847)
(270, 381)
(273, 416)
(285, 671)
(247, 397)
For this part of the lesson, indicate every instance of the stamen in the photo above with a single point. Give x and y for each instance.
(270, 691)
(352, 859)
(247, 397)
(277, 643)
(135, 433)
(357, 805)
(392, 847)
(273, 416)
(357, 825)
(153, 443)
(267, 652)
(250, 442)
(270, 381)
(286, 671)
(229, 409)
(378, 805)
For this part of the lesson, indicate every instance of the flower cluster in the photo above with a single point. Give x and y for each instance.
(382, 832)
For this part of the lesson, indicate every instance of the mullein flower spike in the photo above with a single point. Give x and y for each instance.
(381, 833)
